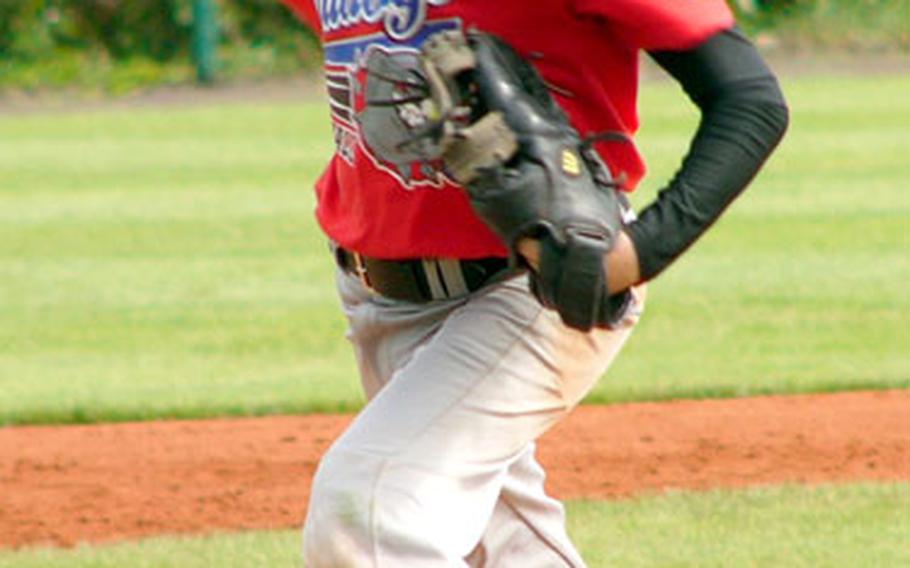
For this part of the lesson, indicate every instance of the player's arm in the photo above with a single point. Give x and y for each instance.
(743, 117)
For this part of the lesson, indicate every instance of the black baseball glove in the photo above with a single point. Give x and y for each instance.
(492, 123)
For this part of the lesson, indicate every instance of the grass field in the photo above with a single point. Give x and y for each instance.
(161, 262)
(860, 525)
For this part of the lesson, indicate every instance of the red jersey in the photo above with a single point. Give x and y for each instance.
(587, 49)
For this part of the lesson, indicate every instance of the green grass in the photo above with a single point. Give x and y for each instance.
(164, 262)
(253, 549)
(861, 525)
(858, 525)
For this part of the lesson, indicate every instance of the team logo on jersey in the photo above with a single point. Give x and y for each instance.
(363, 69)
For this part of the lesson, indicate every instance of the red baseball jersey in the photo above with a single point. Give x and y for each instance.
(587, 49)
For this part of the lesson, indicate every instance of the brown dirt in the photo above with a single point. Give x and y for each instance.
(66, 485)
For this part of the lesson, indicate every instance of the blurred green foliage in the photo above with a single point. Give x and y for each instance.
(115, 43)
(855, 25)
(121, 45)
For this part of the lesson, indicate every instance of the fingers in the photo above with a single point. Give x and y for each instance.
(530, 250)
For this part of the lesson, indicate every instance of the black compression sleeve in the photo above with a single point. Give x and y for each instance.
(744, 116)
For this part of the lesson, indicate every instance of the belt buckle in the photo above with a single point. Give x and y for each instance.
(360, 270)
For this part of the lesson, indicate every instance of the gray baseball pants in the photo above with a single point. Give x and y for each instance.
(438, 470)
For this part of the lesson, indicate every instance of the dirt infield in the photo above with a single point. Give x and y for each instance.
(62, 486)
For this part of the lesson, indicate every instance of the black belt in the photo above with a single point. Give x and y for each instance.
(420, 280)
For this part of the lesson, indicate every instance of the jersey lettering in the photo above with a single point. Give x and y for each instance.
(401, 19)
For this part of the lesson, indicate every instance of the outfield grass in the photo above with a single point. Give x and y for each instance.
(860, 525)
(164, 262)
(846, 526)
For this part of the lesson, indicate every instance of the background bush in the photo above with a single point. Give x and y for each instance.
(119, 45)
(106, 43)
(854, 25)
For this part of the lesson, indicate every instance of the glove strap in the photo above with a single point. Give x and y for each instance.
(572, 279)
(582, 284)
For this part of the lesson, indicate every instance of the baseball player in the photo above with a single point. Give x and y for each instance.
(488, 267)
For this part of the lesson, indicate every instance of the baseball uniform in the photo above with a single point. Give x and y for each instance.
(462, 368)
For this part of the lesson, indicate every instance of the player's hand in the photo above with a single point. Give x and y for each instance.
(621, 263)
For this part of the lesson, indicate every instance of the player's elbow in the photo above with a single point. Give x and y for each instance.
(778, 118)
(774, 115)
(773, 107)
(756, 108)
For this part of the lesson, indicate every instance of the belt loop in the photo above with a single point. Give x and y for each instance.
(360, 268)
(452, 277)
(434, 281)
